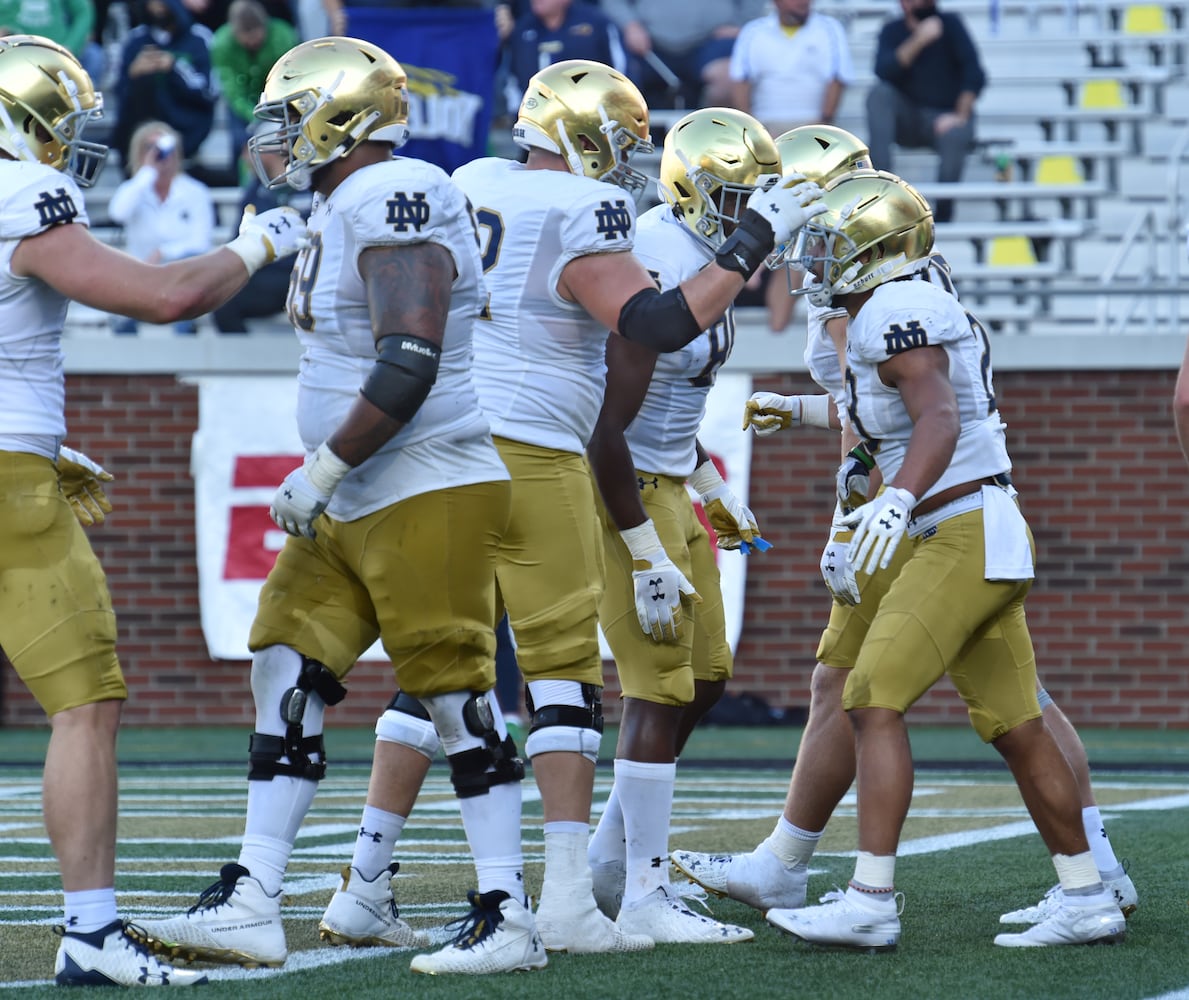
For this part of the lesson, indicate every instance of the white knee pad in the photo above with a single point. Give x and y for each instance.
(563, 739)
(408, 730)
(275, 669)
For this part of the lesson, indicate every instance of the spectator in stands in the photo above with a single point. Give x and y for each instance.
(243, 51)
(213, 14)
(789, 68)
(685, 40)
(70, 23)
(166, 214)
(267, 289)
(555, 30)
(165, 75)
(929, 76)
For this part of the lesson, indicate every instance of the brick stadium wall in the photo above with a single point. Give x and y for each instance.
(1097, 463)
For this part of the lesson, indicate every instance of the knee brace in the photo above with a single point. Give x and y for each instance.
(479, 757)
(291, 754)
(573, 728)
(405, 721)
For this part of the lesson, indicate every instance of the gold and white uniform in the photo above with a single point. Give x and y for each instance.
(405, 551)
(946, 611)
(56, 620)
(540, 369)
(662, 439)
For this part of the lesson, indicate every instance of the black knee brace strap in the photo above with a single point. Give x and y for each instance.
(265, 752)
(408, 705)
(474, 771)
(588, 717)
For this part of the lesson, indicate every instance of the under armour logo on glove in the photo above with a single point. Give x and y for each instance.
(657, 593)
(879, 525)
(890, 518)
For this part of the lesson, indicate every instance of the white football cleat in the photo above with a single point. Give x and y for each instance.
(234, 921)
(577, 925)
(363, 914)
(498, 935)
(1121, 888)
(758, 878)
(845, 920)
(607, 880)
(664, 916)
(109, 957)
(1098, 923)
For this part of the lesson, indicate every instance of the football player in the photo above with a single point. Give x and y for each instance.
(556, 238)
(394, 520)
(643, 452)
(920, 395)
(56, 619)
(775, 872)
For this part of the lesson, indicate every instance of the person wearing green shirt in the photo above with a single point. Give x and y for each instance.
(242, 52)
(67, 22)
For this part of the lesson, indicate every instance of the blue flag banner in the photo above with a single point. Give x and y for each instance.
(450, 56)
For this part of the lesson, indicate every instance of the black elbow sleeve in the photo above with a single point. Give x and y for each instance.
(403, 375)
(661, 321)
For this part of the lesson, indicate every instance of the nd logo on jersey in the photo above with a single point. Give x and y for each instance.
(404, 211)
(613, 220)
(899, 339)
(53, 209)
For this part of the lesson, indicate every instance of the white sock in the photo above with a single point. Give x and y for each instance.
(792, 845)
(492, 824)
(89, 909)
(266, 859)
(609, 842)
(646, 798)
(1100, 843)
(378, 833)
(275, 811)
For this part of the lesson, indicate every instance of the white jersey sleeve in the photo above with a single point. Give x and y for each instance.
(907, 315)
(395, 203)
(33, 198)
(539, 359)
(663, 436)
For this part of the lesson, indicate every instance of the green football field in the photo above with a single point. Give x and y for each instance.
(968, 853)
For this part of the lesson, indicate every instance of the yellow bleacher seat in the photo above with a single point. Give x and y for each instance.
(1011, 251)
(1103, 94)
(1145, 19)
(1058, 170)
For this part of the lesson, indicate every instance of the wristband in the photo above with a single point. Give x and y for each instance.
(642, 541)
(253, 249)
(815, 410)
(326, 470)
(705, 478)
(748, 246)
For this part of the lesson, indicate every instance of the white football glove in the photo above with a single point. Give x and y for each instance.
(788, 205)
(853, 482)
(733, 524)
(659, 584)
(80, 479)
(837, 569)
(272, 235)
(306, 491)
(879, 525)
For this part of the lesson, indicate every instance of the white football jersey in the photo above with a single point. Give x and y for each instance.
(447, 443)
(540, 361)
(903, 315)
(33, 197)
(663, 436)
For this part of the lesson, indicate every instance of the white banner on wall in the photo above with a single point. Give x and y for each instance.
(247, 442)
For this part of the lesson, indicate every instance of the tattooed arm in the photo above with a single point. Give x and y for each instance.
(408, 293)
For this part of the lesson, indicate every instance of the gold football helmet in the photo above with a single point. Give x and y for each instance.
(328, 95)
(46, 101)
(822, 152)
(712, 160)
(590, 114)
(875, 228)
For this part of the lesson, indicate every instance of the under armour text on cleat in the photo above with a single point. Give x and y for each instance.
(109, 957)
(1099, 923)
(234, 921)
(498, 935)
(577, 925)
(844, 920)
(1121, 888)
(364, 914)
(758, 878)
(664, 916)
